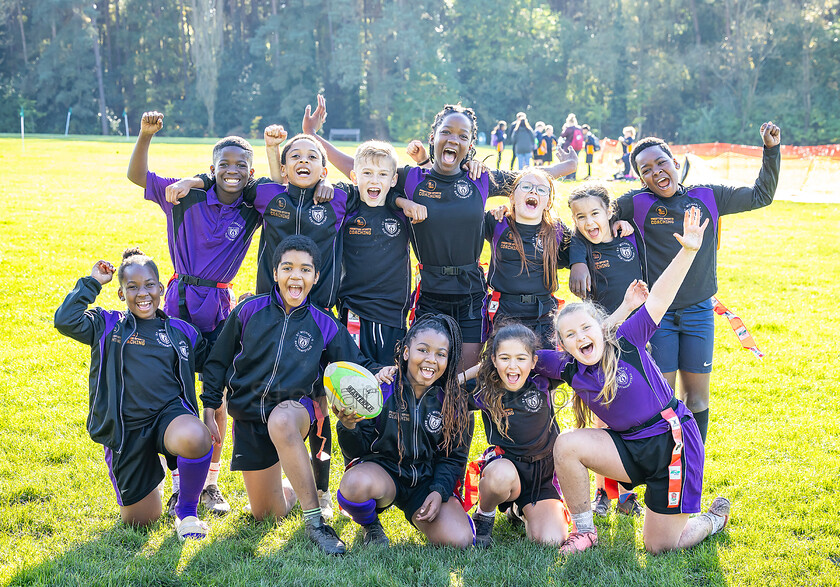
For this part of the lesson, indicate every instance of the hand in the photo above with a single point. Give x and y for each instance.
(179, 189)
(102, 271)
(771, 134)
(151, 122)
(324, 192)
(210, 422)
(622, 228)
(386, 374)
(313, 121)
(692, 236)
(499, 213)
(274, 135)
(564, 155)
(475, 168)
(417, 151)
(636, 294)
(430, 508)
(245, 296)
(347, 417)
(580, 282)
(416, 212)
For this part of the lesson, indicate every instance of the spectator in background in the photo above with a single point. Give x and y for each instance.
(572, 136)
(522, 139)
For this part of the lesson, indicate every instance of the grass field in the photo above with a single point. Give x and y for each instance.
(773, 447)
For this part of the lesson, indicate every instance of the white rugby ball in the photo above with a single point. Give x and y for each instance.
(352, 386)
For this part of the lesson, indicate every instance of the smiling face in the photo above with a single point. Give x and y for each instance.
(140, 290)
(374, 177)
(452, 141)
(295, 275)
(530, 198)
(581, 336)
(658, 171)
(514, 362)
(426, 358)
(303, 164)
(592, 219)
(232, 170)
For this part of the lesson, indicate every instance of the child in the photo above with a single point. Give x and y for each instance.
(497, 140)
(626, 142)
(685, 340)
(142, 390)
(652, 436)
(572, 137)
(209, 233)
(528, 247)
(376, 273)
(413, 454)
(614, 263)
(591, 144)
(268, 356)
(539, 131)
(518, 415)
(522, 139)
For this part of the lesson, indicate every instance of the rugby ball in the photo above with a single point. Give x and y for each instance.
(349, 385)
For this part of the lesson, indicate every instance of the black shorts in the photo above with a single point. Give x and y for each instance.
(536, 481)
(646, 461)
(468, 310)
(136, 471)
(543, 327)
(252, 446)
(376, 341)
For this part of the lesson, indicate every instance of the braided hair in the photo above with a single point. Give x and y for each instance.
(441, 116)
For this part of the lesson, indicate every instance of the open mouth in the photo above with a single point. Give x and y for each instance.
(593, 233)
(587, 349)
(295, 292)
(303, 171)
(663, 182)
(231, 181)
(373, 193)
(145, 305)
(449, 155)
(512, 378)
(531, 202)
(427, 373)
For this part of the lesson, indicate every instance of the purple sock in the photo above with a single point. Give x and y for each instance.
(193, 473)
(362, 513)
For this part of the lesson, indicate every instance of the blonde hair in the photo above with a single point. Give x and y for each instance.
(608, 363)
(629, 129)
(377, 151)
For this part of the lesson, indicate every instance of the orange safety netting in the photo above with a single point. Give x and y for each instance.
(808, 174)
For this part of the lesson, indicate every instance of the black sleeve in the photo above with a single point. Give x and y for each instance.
(73, 319)
(449, 469)
(219, 361)
(398, 191)
(355, 443)
(342, 347)
(731, 200)
(564, 248)
(489, 226)
(577, 250)
(623, 207)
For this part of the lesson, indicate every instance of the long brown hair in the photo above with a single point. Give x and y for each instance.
(608, 363)
(549, 227)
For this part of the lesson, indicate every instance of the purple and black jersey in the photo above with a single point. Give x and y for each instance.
(208, 240)
(376, 269)
(613, 266)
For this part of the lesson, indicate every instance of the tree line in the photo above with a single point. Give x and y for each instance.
(688, 71)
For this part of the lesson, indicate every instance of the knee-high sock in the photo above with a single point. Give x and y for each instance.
(321, 469)
(362, 513)
(193, 472)
(702, 419)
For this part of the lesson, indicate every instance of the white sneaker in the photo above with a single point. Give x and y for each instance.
(325, 501)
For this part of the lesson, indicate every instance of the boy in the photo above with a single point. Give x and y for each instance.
(268, 356)
(591, 144)
(209, 233)
(685, 339)
(376, 275)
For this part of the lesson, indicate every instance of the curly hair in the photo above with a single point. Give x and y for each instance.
(647, 143)
(441, 116)
(134, 256)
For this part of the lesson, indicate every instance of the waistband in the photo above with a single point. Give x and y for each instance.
(191, 280)
(671, 405)
(527, 298)
(448, 269)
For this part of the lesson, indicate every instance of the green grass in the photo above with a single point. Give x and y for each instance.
(774, 441)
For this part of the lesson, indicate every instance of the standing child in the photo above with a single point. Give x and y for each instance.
(208, 233)
(518, 414)
(590, 144)
(268, 357)
(548, 144)
(572, 136)
(626, 143)
(522, 139)
(652, 436)
(414, 453)
(685, 341)
(497, 140)
(142, 390)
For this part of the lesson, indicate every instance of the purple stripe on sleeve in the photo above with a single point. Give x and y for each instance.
(109, 458)
(387, 391)
(412, 180)
(498, 230)
(326, 324)
(707, 196)
(252, 306)
(551, 363)
(642, 203)
(483, 185)
(339, 206)
(188, 329)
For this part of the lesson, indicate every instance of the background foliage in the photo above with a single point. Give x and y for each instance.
(689, 71)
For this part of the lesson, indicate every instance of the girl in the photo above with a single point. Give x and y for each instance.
(528, 247)
(652, 437)
(523, 139)
(498, 138)
(413, 454)
(518, 416)
(142, 390)
(614, 264)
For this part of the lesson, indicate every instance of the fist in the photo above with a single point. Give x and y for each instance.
(274, 135)
(102, 272)
(151, 122)
(771, 134)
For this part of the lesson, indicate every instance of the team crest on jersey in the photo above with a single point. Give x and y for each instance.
(162, 337)
(596, 256)
(391, 227)
(661, 211)
(532, 401)
(303, 341)
(361, 222)
(626, 252)
(434, 422)
(431, 185)
(463, 188)
(317, 215)
(233, 231)
(281, 203)
(183, 350)
(623, 377)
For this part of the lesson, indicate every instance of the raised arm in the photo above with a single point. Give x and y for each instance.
(665, 289)
(312, 123)
(138, 165)
(567, 162)
(274, 136)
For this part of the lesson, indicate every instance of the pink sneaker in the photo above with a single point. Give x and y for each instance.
(579, 541)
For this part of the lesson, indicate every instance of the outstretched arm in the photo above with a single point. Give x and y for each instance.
(274, 136)
(567, 162)
(312, 122)
(138, 165)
